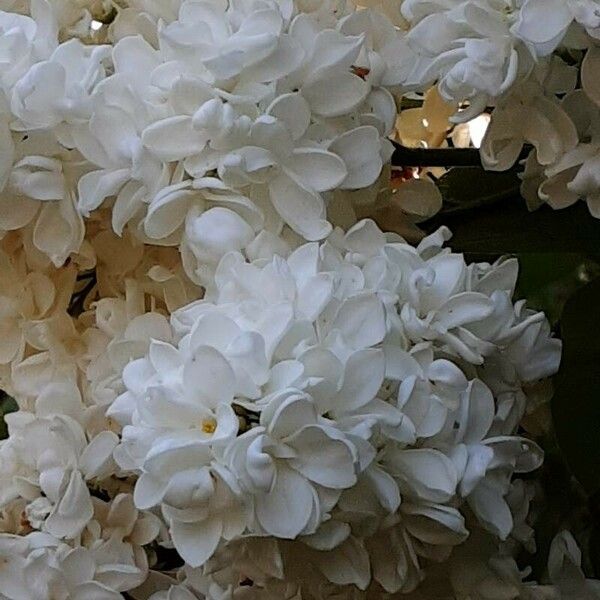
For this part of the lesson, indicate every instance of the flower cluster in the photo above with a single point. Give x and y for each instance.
(227, 385)
(355, 396)
(535, 62)
(323, 406)
(243, 116)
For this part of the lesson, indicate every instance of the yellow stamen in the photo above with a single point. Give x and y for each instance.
(208, 425)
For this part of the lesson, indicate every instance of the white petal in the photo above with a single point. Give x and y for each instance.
(196, 542)
(334, 51)
(214, 330)
(12, 339)
(285, 511)
(128, 203)
(490, 507)
(303, 261)
(59, 230)
(149, 491)
(40, 184)
(136, 374)
(250, 164)
(360, 151)
(589, 74)
(294, 111)
(249, 361)
(543, 20)
(365, 237)
(419, 197)
(347, 564)
(294, 412)
(260, 466)
(449, 272)
(73, 510)
(7, 150)
(136, 59)
(92, 590)
(336, 94)
(174, 138)
(16, 211)
(208, 377)
(96, 460)
(468, 307)
(476, 412)
(167, 211)
(219, 230)
(399, 363)
(363, 376)
(329, 535)
(478, 462)
(521, 454)
(93, 188)
(302, 209)
(426, 473)
(501, 145)
(318, 169)
(436, 525)
(78, 566)
(286, 58)
(326, 461)
(314, 295)
(385, 488)
(361, 321)
(270, 133)
(115, 133)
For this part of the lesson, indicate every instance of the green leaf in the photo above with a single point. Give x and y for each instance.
(7, 405)
(576, 402)
(548, 279)
(465, 188)
(594, 552)
(507, 227)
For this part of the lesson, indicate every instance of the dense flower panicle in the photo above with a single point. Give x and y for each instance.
(322, 404)
(246, 127)
(314, 397)
(226, 386)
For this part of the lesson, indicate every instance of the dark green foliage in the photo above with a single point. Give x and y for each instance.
(7, 405)
(576, 402)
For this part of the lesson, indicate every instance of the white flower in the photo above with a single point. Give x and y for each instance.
(247, 39)
(121, 335)
(175, 592)
(572, 174)
(118, 531)
(25, 40)
(470, 48)
(274, 108)
(547, 127)
(294, 175)
(545, 34)
(246, 103)
(481, 567)
(111, 139)
(428, 390)
(59, 89)
(25, 297)
(39, 566)
(285, 462)
(564, 568)
(169, 440)
(59, 460)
